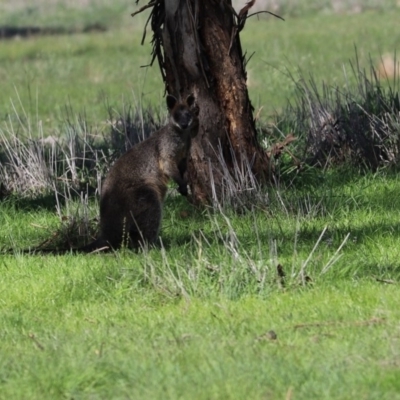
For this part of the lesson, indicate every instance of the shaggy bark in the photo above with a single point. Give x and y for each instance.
(197, 45)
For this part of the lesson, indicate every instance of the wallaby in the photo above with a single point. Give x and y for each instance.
(133, 192)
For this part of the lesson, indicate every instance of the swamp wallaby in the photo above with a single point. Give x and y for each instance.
(133, 192)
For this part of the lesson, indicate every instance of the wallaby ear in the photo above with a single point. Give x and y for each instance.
(190, 100)
(171, 101)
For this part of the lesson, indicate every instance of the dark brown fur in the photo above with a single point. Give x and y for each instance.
(133, 192)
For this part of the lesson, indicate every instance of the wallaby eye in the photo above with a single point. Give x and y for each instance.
(190, 100)
(171, 101)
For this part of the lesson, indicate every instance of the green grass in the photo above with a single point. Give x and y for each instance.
(44, 75)
(87, 73)
(71, 15)
(110, 340)
(190, 320)
(320, 46)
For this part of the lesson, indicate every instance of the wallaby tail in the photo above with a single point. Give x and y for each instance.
(99, 245)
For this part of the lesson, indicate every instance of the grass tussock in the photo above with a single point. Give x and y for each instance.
(358, 125)
(69, 166)
(72, 161)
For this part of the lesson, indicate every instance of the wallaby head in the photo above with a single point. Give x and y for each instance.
(183, 115)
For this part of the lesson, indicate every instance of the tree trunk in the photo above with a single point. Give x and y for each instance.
(198, 48)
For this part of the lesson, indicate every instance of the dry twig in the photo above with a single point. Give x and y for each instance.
(372, 321)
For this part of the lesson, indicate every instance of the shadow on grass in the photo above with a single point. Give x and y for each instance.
(46, 202)
(10, 32)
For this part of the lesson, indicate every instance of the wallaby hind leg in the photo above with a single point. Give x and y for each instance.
(147, 219)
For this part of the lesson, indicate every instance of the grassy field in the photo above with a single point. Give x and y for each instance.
(193, 320)
(90, 72)
(208, 314)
